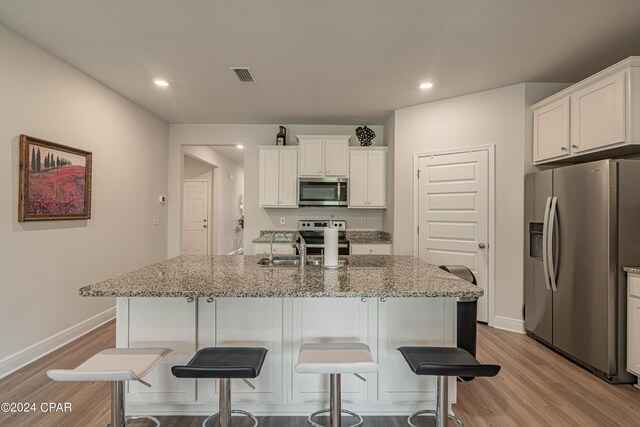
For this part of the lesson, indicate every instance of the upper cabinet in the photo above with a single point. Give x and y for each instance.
(551, 131)
(594, 119)
(368, 177)
(324, 155)
(278, 186)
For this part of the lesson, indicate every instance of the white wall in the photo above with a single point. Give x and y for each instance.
(497, 117)
(251, 136)
(390, 140)
(226, 196)
(42, 265)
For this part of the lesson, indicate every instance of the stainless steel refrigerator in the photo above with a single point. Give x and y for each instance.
(582, 226)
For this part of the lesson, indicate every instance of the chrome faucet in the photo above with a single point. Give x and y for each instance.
(273, 235)
(301, 246)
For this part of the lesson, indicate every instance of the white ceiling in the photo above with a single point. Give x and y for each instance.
(323, 62)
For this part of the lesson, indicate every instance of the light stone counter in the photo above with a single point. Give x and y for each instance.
(241, 276)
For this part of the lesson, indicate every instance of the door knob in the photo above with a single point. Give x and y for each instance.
(204, 226)
(481, 245)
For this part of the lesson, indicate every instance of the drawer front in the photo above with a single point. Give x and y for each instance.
(634, 286)
(370, 249)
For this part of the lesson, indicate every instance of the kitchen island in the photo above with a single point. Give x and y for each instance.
(190, 302)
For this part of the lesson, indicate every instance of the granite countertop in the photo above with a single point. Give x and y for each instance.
(369, 237)
(282, 236)
(632, 270)
(241, 276)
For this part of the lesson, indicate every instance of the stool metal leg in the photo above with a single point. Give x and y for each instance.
(117, 404)
(335, 406)
(335, 402)
(225, 407)
(442, 406)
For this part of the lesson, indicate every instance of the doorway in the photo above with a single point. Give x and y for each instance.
(454, 214)
(195, 218)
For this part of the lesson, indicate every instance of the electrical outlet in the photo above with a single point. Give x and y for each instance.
(156, 220)
(283, 220)
(363, 220)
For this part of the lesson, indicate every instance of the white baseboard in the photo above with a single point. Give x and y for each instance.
(32, 353)
(508, 324)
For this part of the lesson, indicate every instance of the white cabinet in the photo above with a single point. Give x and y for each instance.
(278, 249)
(411, 322)
(317, 320)
(596, 118)
(633, 325)
(598, 114)
(238, 322)
(324, 155)
(160, 322)
(278, 186)
(368, 178)
(551, 131)
(377, 249)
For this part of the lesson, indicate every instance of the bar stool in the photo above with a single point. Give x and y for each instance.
(116, 365)
(225, 363)
(335, 359)
(444, 362)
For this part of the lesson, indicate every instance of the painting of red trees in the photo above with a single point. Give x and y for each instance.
(55, 181)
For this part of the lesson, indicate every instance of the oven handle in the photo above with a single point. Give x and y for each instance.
(321, 245)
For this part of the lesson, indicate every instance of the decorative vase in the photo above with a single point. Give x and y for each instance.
(365, 135)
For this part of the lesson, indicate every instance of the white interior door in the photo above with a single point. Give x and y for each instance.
(453, 214)
(195, 214)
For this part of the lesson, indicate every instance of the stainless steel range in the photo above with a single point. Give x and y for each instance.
(312, 231)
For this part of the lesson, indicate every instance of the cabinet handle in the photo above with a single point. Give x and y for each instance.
(363, 299)
(189, 299)
(383, 299)
(563, 148)
(210, 300)
(574, 146)
(371, 250)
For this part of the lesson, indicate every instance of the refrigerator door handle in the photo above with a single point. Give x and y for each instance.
(545, 238)
(551, 232)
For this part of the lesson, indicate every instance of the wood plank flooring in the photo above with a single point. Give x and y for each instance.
(536, 387)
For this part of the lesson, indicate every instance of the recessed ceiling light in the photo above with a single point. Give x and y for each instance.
(161, 83)
(240, 146)
(426, 85)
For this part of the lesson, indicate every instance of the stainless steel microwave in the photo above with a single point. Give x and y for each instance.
(323, 192)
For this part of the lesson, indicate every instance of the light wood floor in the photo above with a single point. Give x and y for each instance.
(535, 387)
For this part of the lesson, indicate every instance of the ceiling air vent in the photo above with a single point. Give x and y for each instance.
(244, 74)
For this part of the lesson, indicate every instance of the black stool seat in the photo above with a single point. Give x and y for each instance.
(446, 361)
(223, 362)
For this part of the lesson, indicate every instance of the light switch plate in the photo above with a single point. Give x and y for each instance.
(156, 220)
(283, 220)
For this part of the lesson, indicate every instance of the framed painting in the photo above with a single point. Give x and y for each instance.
(55, 181)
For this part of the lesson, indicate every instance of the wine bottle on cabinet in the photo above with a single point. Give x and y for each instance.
(281, 136)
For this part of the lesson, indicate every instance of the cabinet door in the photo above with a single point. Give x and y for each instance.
(239, 322)
(551, 131)
(412, 322)
(311, 157)
(336, 157)
(278, 249)
(269, 177)
(317, 320)
(598, 114)
(163, 322)
(357, 179)
(370, 249)
(288, 188)
(376, 179)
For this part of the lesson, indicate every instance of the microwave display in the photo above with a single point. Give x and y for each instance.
(323, 192)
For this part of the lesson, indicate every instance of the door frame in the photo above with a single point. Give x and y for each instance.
(209, 213)
(490, 149)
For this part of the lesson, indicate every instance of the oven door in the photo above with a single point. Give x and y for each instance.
(323, 192)
(318, 249)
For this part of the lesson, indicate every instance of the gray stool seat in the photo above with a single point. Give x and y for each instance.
(224, 363)
(115, 365)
